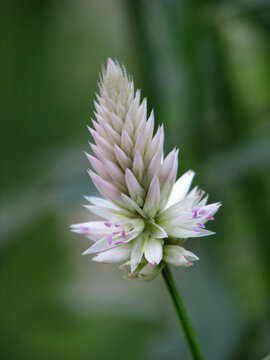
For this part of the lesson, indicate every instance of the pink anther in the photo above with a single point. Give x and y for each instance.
(109, 238)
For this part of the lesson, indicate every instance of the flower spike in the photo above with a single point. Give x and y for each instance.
(146, 214)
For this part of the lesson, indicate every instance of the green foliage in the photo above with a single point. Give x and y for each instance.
(204, 67)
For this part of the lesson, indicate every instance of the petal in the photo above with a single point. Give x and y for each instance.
(99, 246)
(126, 143)
(183, 233)
(132, 205)
(148, 128)
(141, 114)
(137, 250)
(129, 126)
(138, 166)
(154, 166)
(149, 272)
(121, 157)
(99, 129)
(181, 188)
(103, 244)
(98, 166)
(93, 230)
(116, 122)
(114, 171)
(112, 134)
(152, 198)
(153, 251)
(100, 153)
(155, 145)
(135, 190)
(101, 142)
(178, 256)
(105, 213)
(100, 202)
(179, 209)
(114, 255)
(167, 187)
(139, 145)
(157, 231)
(167, 166)
(107, 189)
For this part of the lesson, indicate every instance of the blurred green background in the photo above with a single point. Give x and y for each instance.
(205, 68)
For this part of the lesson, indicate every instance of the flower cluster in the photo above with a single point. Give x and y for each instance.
(146, 214)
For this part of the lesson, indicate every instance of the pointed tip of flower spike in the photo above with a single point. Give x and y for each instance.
(113, 69)
(110, 64)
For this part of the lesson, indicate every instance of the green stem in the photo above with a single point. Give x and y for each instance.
(182, 314)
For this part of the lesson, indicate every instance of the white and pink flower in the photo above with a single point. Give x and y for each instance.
(146, 214)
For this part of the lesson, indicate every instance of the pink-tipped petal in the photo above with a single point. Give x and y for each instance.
(181, 188)
(139, 146)
(154, 166)
(114, 255)
(152, 198)
(167, 166)
(114, 171)
(126, 142)
(116, 122)
(155, 145)
(122, 158)
(153, 251)
(107, 189)
(138, 166)
(136, 192)
(137, 250)
(98, 166)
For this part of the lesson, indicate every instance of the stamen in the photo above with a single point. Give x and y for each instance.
(119, 242)
(108, 224)
(197, 230)
(202, 212)
(123, 234)
(109, 237)
(117, 225)
(211, 218)
(116, 232)
(195, 214)
(201, 225)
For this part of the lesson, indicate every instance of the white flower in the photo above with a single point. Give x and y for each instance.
(146, 214)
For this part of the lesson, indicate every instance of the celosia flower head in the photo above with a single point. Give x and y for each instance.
(145, 215)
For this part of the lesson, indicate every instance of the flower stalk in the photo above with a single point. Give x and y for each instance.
(182, 314)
